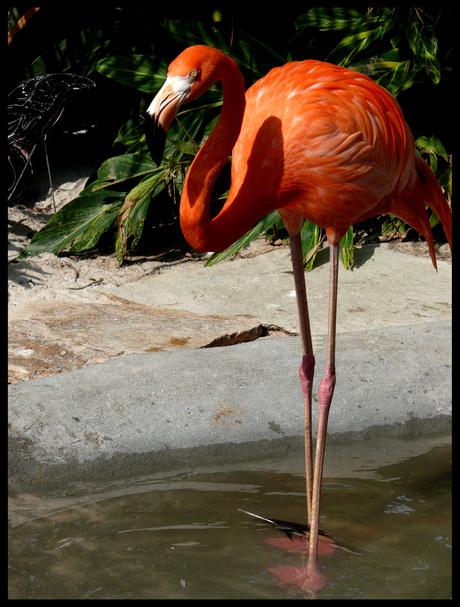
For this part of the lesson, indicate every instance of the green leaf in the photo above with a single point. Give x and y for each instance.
(346, 249)
(188, 33)
(261, 226)
(393, 225)
(78, 225)
(357, 43)
(142, 72)
(310, 243)
(132, 215)
(331, 18)
(121, 168)
(445, 181)
(431, 145)
(182, 135)
(395, 76)
(433, 219)
(254, 57)
(434, 148)
(131, 135)
(186, 147)
(423, 43)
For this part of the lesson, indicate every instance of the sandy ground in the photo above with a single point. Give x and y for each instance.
(47, 277)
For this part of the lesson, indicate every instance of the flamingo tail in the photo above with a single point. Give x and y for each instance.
(410, 205)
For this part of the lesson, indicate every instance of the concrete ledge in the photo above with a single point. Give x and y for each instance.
(135, 414)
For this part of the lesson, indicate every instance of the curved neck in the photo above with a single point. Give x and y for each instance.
(202, 233)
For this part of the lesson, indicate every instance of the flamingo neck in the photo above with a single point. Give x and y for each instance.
(202, 233)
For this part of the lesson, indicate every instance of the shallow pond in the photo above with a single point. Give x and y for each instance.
(181, 535)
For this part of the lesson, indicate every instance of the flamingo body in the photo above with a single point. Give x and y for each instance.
(314, 141)
(310, 139)
(330, 132)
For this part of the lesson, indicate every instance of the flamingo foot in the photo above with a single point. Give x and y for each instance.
(300, 577)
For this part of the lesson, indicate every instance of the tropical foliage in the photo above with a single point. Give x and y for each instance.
(399, 48)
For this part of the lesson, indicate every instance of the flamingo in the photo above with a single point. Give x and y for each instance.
(315, 141)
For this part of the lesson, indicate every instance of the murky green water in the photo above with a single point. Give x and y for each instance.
(182, 536)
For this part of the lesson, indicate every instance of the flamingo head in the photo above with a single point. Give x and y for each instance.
(189, 75)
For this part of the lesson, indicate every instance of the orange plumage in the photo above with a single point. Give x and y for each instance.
(314, 141)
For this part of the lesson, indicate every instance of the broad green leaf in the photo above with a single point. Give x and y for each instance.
(189, 33)
(254, 57)
(310, 243)
(357, 43)
(434, 148)
(121, 168)
(142, 72)
(131, 135)
(395, 76)
(445, 181)
(261, 226)
(393, 225)
(331, 18)
(346, 249)
(431, 145)
(186, 147)
(425, 47)
(78, 225)
(132, 215)
(182, 136)
(76, 53)
(433, 219)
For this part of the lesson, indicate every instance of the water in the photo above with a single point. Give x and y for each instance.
(181, 535)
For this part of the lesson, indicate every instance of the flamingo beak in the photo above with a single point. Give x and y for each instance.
(161, 113)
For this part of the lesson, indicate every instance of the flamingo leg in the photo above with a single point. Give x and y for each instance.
(325, 393)
(307, 365)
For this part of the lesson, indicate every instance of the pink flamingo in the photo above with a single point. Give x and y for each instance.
(312, 140)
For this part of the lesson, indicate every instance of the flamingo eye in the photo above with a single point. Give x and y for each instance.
(193, 74)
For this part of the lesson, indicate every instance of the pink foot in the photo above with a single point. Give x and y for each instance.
(299, 577)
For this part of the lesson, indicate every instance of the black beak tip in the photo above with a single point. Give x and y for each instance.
(155, 136)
